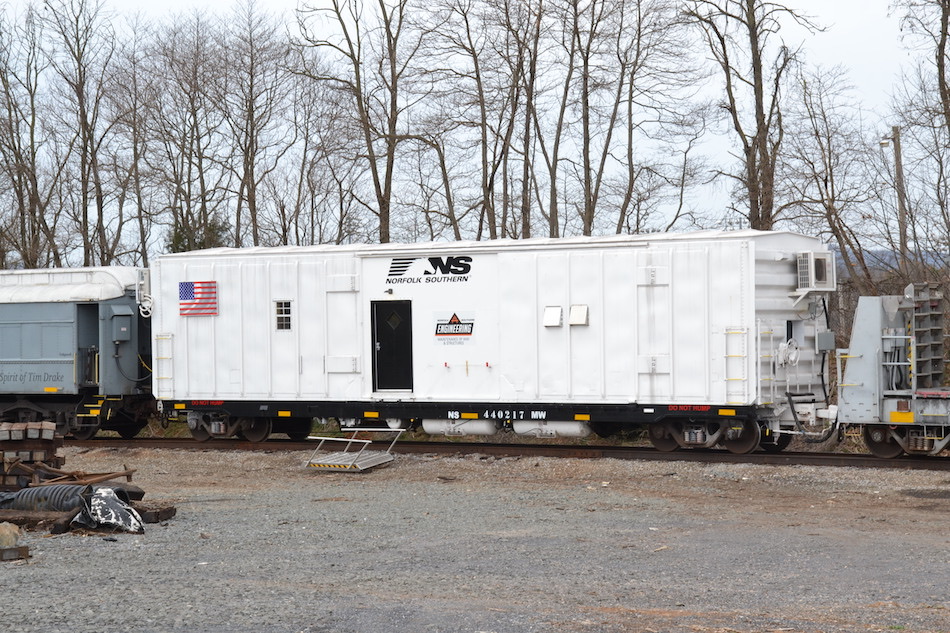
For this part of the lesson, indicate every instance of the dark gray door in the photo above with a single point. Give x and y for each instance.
(392, 345)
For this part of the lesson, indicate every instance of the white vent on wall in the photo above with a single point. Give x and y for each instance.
(553, 316)
(579, 315)
(342, 364)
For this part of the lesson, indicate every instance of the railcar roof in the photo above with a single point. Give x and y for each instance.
(66, 284)
(770, 239)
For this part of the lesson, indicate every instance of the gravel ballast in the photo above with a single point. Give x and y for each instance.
(451, 544)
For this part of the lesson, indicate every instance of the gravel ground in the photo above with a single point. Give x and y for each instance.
(482, 545)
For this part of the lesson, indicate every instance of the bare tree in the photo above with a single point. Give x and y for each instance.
(633, 75)
(131, 101)
(506, 88)
(525, 25)
(33, 162)
(919, 173)
(84, 46)
(375, 53)
(830, 168)
(740, 35)
(478, 88)
(190, 135)
(253, 92)
(592, 25)
(437, 202)
(929, 21)
(551, 137)
(916, 173)
(601, 86)
(317, 185)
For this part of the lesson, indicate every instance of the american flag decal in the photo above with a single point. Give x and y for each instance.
(198, 298)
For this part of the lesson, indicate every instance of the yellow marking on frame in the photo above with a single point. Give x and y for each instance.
(727, 412)
(370, 414)
(283, 414)
(902, 417)
(50, 389)
(469, 416)
(179, 405)
(582, 417)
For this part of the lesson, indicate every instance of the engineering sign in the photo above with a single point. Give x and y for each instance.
(454, 327)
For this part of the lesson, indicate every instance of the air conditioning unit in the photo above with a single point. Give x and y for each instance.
(816, 271)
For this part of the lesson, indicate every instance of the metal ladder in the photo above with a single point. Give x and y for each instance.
(163, 366)
(352, 460)
(736, 370)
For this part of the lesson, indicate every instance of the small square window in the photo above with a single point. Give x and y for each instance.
(283, 314)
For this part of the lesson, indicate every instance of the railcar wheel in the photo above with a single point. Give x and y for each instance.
(200, 433)
(878, 440)
(742, 437)
(662, 439)
(256, 429)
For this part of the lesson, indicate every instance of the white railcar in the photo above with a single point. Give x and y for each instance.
(697, 336)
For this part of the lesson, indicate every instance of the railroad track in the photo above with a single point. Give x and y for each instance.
(854, 460)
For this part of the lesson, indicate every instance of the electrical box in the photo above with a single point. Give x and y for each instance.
(825, 341)
(121, 323)
(121, 328)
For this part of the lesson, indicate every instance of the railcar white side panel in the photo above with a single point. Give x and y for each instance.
(620, 363)
(649, 319)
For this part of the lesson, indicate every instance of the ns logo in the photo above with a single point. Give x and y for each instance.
(455, 265)
(461, 265)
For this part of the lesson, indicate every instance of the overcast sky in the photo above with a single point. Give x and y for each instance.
(859, 35)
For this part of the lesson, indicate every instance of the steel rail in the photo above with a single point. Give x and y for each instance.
(854, 460)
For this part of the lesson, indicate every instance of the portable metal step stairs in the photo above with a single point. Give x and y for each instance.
(354, 457)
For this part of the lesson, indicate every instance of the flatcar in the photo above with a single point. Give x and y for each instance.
(891, 377)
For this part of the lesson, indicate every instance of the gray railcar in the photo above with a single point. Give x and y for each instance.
(891, 378)
(74, 349)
